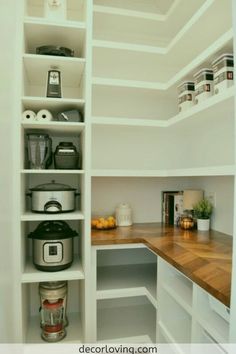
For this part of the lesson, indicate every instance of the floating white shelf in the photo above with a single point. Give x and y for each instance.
(37, 103)
(32, 275)
(56, 127)
(40, 32)
(127, 280)
(29, 216)
(126, 322)
(74, 330)
(228, 170)
(37, 66)
(62, 172)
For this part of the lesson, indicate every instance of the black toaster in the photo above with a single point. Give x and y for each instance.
(66, 156)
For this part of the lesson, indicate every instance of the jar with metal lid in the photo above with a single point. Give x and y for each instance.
(186, 95)
(223, 68)
(123, 215)
(203, 84)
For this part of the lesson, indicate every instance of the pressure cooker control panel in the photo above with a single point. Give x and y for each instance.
(52, 252)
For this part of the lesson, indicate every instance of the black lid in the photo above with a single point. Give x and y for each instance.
(52, 230)
(53, 186)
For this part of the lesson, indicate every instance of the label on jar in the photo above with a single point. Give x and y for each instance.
(203, 88)
(227, 75)
(184, 98)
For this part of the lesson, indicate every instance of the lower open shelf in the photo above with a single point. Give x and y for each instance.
(74, 330)
(127, 280)
(124, 320)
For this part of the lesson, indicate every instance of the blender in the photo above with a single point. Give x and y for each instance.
(39, 148)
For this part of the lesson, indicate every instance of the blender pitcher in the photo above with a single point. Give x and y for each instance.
(39, 150)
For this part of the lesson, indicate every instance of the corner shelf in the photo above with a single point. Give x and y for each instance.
(127, 280)
(125, 323)
(216, 104)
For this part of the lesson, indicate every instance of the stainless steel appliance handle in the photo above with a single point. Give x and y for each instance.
(52, 207)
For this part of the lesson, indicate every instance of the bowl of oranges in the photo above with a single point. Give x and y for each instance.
(102, 223)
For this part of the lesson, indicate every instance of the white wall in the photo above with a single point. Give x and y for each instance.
(144, 196)
(7, 82)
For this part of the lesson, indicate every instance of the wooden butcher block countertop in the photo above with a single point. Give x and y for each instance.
(204, 257)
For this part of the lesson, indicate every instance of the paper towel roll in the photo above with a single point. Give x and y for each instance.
(29, 116)
(44, 115)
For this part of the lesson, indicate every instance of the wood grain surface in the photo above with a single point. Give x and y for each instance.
(205, 257)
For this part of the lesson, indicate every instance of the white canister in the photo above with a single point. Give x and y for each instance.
(203, 84)
(123, 215)
(186, 95)
(223, 68)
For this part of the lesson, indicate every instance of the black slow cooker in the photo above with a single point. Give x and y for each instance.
(52, 245)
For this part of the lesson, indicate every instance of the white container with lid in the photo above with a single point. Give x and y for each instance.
(223, 68)
(186, 95)
(203, 84)
(123, 215)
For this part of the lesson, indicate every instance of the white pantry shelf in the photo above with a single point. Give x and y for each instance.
(215, 105)
(37, 66)
(74, 330)
(145, 55)
(176, 40)
(111, 10)
(227, 170)
(127, 280)
(30, 216)
(56, 127)
(32, 275)
(39, 33)
(128, 47)
(180, 292)
(61, 172)
(145, 85)
(59, 104)
(125, 322)
(66, 24)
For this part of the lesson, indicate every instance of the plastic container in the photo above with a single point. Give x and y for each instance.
(223, 68)
(186, 95)
(204, 80)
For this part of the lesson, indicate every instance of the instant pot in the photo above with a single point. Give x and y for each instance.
(52, 245)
